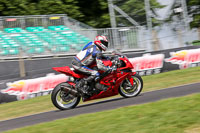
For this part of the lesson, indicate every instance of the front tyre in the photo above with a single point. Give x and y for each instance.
(127, 89)
(62, 99)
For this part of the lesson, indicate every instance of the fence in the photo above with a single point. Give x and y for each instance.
(40, 20)
(121, 38)
(32, 41)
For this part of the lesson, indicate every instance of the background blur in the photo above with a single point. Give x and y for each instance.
(31, 29)
(36, 35)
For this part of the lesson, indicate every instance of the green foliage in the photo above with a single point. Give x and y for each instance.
(68, 7)
(40, 7)
(17, 7)
(194, 11)
(196, 42)
(193, 7)
(96, 12)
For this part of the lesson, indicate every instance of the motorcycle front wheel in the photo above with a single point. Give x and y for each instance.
(62, 99)
(126, 89)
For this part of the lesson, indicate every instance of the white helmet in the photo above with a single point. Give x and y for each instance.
(101, 42)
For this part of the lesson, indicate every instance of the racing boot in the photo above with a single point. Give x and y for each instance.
(80, 86)
(90, 78)
(93, 78)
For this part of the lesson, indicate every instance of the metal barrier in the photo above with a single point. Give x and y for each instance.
(121, 38)
(17, 38)
(12, 22)
(41, 20)
(49, 42)
(126, 37)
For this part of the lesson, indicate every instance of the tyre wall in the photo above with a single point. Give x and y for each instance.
(40, 79)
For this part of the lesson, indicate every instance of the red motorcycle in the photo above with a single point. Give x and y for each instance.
(121, 81)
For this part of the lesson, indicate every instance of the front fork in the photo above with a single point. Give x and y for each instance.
(130, 80)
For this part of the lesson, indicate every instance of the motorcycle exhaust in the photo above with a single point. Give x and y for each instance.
(71, 91)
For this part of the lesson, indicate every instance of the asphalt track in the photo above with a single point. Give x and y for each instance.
(100, 106)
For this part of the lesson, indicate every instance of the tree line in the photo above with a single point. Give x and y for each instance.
(92, 12)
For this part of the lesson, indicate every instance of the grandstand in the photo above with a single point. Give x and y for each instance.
(36, 40)
(46, 34)
(39, 35)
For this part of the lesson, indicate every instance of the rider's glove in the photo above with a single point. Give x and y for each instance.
(112, 69)
(108, 58)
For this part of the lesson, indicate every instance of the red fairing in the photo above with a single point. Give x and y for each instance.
(113, 80)
(131, 79)
(66, 70)
(128, 64)
(107, 62)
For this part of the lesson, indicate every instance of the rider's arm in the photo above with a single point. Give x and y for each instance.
(100, 65)
(98, 55)
(104, 57)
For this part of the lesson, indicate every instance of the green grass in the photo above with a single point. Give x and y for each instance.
(152, 82)
(196, 42)
(173, 115)
(172, 78)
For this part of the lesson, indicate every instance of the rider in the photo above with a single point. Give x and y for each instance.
(88, 55)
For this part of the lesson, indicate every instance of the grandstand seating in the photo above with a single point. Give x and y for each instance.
(40, 40)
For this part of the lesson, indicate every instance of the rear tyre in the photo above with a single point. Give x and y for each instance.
(126, 89)
(62, 99)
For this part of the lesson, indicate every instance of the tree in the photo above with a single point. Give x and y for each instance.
(136, 10)
(96, 12)
(93, 13)
(17, 8)
(193, 7)
(194, 11)
(68, 7)
(40, 7)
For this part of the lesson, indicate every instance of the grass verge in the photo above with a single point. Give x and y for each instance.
(173, 115)
(152, 82)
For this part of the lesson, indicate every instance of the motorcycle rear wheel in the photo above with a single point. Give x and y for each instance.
(62, 99)
(126, 89)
